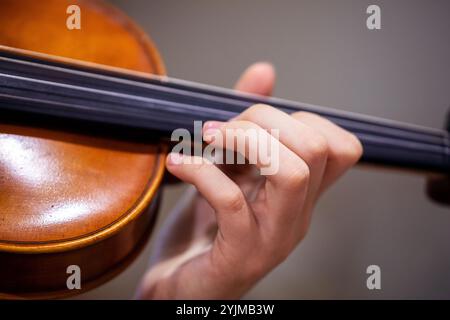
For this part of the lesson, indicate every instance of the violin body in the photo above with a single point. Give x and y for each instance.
(68, 198)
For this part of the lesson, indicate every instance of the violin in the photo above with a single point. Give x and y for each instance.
(86, 117)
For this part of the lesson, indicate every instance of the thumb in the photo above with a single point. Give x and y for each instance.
(259, 78)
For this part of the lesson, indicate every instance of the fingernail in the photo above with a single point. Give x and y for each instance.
(211, 129)
(174, 159)
(212, 125)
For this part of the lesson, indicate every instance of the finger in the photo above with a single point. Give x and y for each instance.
(308, 143)
(259, 78)
(287, 174)
(344, 148)
(234, 217)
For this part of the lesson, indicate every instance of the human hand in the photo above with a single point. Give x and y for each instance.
(238, 224)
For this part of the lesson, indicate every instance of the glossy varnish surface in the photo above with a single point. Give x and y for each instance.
(57, 189)
(69, 197)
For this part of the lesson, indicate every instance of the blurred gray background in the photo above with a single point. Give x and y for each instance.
(325, 55)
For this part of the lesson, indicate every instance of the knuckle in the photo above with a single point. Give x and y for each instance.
(298, 176)
(260, 107)
(234, 200)
(317, 146)
(196, 166)
(312, 118)
(257, 109)
(247, 124)
(240, 124)
(303, 114)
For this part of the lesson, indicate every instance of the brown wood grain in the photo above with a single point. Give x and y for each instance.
(72, 198)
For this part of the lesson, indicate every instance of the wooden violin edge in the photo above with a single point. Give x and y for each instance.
(88, 65)
(143, 202)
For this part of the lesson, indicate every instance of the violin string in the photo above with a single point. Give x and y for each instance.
(239, 102)
(205, 106)
(195, 88)
(352, 125)
(107, 110)
(169, 115)
(157, 121)
(376, 149)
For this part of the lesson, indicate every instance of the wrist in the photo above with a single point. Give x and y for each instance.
(235, 278)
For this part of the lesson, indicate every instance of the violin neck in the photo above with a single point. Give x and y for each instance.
(34, 85)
